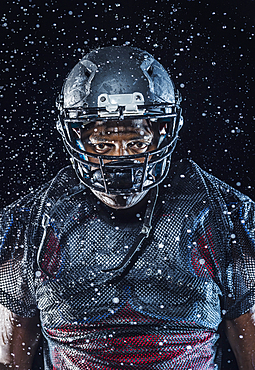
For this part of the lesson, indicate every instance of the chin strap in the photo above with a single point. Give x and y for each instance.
(137, 248)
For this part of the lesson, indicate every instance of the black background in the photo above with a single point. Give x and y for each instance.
(207, 47)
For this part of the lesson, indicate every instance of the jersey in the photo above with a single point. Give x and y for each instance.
(60, 249)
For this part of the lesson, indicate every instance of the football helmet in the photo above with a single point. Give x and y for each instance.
(118, 83)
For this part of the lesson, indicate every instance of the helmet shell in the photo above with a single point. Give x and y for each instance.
(117, 70)
(116, 83)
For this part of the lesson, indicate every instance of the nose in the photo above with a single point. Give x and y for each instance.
(120, 148)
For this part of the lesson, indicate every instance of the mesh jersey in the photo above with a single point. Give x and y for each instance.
(197, 267)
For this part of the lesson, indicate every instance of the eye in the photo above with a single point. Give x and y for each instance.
(102, 147)
(138, 146)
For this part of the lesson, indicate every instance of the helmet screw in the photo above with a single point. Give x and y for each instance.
(103, 98)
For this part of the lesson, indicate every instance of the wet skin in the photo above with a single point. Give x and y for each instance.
(119, 138)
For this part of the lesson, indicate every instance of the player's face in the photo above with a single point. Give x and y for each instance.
(118, 138)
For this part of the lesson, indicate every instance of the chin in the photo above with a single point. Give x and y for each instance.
(120, 201)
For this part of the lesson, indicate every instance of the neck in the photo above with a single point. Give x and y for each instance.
(120, 202)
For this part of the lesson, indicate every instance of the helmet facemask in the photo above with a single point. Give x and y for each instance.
(121, 174)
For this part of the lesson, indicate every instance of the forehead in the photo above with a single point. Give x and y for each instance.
(140, 127)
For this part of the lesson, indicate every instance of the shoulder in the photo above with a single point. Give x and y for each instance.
(27, 211)
(187, 177)
(196, 190)
(64, 182)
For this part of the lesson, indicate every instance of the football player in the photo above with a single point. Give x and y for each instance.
(117, 261)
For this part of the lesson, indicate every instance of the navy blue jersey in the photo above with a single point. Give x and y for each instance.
(195, 269)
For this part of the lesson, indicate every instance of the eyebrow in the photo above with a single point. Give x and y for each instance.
(140, 138)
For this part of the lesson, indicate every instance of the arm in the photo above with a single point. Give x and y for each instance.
(19, 337)
(241, 335)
